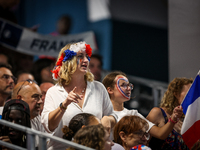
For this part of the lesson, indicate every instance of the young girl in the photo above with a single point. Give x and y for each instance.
(119, 90)
(93, 136)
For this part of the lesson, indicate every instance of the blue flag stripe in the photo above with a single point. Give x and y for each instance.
(192, 94)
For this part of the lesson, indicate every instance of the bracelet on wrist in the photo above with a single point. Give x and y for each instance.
(62, 107)
(170, 120)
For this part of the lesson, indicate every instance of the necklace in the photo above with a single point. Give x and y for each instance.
(82, 92)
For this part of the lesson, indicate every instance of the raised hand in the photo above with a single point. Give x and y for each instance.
(72, 97)
(177, 113)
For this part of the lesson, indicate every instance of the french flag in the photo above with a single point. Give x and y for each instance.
(191, 108)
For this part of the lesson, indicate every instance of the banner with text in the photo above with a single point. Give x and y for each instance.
(26, 41)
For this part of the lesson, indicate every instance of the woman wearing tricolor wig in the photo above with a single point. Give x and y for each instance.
(76, 92)
(119, 89)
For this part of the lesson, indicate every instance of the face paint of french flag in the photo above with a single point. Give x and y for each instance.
(191, 108)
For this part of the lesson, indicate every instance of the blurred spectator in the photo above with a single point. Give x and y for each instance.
(3, 58)
(30, 92)
(94, 136)
(23, 62)
(82, 120)
(5, 9)
(160, 116)
(42, 70)
(95, 66)
(63, 26)
(6, 84)
(131, 131)
(44, 87)
(23, 76)
(15, 111)
(77, 122)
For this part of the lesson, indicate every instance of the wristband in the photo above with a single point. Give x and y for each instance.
(170, 120)
(62, 107)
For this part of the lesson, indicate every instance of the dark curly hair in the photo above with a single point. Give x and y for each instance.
(91, 136)
(75, 124)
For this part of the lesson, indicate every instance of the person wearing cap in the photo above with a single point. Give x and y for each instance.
(76, 92)
(15, 111)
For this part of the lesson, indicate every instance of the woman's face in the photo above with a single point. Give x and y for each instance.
(183, 93)
(122, 88)
(137, 138)
(108, 143)
(15, 116)
(82, 61)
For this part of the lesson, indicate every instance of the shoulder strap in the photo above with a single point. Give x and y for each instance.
(164, 115)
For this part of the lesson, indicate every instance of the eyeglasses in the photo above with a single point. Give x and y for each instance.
(37, 97)
(30, 81)
(7, 77)
(125, 86)
(143, 134)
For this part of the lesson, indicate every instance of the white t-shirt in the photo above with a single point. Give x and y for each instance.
(1, 111)
(96, 102)
(125, 112)
(37, 125)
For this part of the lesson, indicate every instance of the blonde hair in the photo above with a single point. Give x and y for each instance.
(69, 67)
(169, 100)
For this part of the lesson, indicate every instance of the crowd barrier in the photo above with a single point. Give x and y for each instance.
(42, 138)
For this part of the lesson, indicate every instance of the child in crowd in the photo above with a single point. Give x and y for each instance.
(119, 90)
(77, 122)
(93, 136)
(80, 121)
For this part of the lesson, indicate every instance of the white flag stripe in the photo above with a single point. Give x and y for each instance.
(191, 115)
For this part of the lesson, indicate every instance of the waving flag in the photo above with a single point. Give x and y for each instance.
(191, 108)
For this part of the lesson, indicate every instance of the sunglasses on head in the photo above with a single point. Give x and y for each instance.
(29, 81)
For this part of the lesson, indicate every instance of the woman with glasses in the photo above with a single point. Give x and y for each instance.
(76, 92)
(119, 89)
(131, 131)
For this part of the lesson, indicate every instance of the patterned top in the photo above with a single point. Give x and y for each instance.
(140, 147)
(173, 142)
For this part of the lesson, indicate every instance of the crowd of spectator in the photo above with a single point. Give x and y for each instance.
(66, 98)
